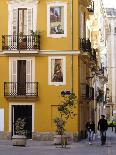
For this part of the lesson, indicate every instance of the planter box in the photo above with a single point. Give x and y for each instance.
(19, 140)
(65, 139)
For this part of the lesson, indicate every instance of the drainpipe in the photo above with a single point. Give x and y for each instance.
(72, 48)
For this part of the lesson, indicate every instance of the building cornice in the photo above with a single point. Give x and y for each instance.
(41, 52)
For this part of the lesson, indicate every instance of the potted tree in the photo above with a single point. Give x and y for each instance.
(66, 110)
(19, 139)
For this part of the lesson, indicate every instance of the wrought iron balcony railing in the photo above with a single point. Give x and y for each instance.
(23, 42)
(85, 45)
(15, 89)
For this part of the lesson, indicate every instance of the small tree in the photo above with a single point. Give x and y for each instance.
(66, 109)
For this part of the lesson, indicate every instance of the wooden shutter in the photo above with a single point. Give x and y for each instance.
(29, 85)
(29, 20)
(14, 71)
(14, 21)
(13, 85)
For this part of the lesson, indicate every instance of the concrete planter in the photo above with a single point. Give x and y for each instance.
(65, 139)
(19, 140)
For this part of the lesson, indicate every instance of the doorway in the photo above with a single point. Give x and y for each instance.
(24, 114)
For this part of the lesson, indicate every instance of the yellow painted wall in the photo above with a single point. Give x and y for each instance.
(46, 43)
(49, 96)
(46, 107)
(4, 76)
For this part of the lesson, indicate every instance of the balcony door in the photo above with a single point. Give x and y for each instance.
(21, 77)
(21, 23)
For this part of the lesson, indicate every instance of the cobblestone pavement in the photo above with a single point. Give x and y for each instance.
(47, 148)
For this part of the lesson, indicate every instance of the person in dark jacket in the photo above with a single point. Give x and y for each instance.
(102, 127)
(90, 127)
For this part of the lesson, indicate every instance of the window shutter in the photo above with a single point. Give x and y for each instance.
(14, 21)
(29, 85)
(28, 70)
(14, 71)
(13, 85)
(29, 20)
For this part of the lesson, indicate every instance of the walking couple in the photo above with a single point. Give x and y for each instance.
(102, 127)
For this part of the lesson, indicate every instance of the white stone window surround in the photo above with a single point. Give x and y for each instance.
(22, 58)
(50, 58)
(15, 5)
(53, 4)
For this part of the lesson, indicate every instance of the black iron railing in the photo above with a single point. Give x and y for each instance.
(85, 45)
(15, 89)
(17, 42)
(91, 7)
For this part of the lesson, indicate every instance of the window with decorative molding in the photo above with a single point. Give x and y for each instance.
(57, 70)
(57, 19)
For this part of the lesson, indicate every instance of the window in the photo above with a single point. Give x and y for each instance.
(57, 70)
(57, 20)
(22, 18)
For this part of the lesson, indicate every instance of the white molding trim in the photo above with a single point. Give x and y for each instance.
(27, 5)
(63, 70)
(53, 52)
(23, 58)
(55, 4)
(16, 103)
(41, 52)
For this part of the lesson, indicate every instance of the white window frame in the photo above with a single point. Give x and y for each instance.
(27, 5)
(22, 58)
(53, 4)
(50, 71)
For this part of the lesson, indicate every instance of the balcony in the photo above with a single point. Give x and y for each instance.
(85, 45)
(21, 90)
(20, 42)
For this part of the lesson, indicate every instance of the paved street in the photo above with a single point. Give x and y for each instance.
(47, 148)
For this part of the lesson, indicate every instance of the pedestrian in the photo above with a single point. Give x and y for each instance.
(102, 127)
(90, 127)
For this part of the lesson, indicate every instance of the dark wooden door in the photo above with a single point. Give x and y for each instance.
(22, 113)
(21, 77)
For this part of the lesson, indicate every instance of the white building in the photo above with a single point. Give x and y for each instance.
(111, 63)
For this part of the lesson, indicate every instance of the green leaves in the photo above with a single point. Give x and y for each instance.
(66, 109)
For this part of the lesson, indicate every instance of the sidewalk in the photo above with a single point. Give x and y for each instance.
(47, 148)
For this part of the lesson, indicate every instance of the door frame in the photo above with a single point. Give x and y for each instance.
(10, 113)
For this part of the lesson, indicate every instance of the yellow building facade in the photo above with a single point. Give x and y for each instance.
(40, 57)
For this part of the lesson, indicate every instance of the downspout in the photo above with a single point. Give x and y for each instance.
(72, 72)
